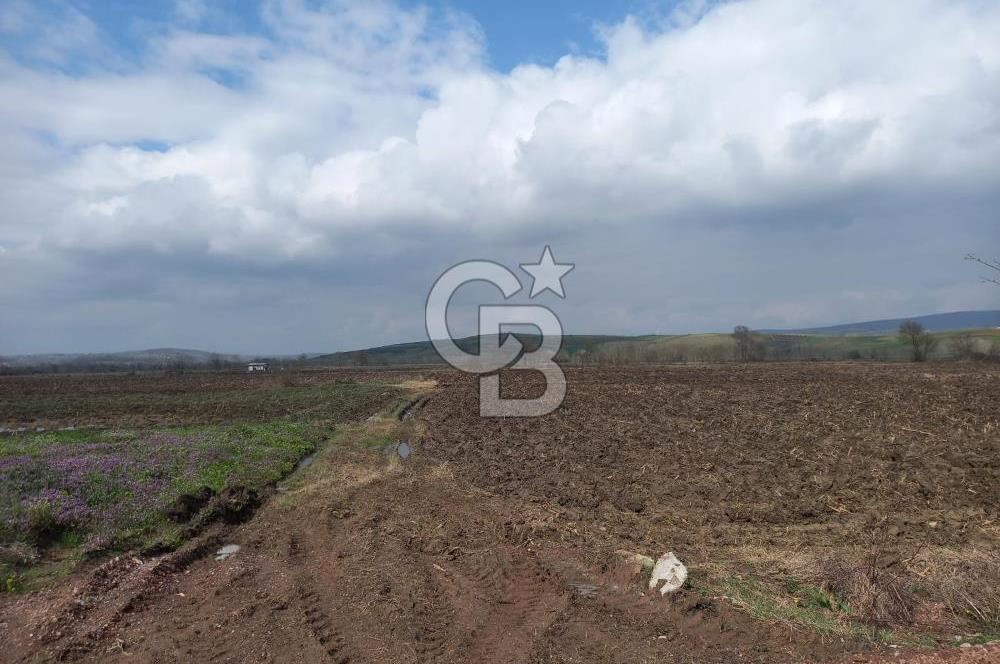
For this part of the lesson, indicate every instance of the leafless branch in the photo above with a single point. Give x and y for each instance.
(991, 264)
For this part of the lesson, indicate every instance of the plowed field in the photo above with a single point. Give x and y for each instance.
(825, 512)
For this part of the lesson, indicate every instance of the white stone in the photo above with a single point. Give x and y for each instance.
(227, 551)
(670, 571)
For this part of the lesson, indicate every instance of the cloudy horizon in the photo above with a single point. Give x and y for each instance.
(292, 176)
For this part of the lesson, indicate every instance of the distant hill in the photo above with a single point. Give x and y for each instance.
(869, 340)
(658, 349)
(949, 322)
(422, 352)
(879, 342)
(153, 358)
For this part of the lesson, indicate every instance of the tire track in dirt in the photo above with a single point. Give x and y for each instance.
(322, 628)
(502, 603)
(433, 617)
(529, 603)
(115, 591)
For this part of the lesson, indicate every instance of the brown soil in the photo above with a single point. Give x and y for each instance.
(495, 540)
(157, 399)
(697, 457)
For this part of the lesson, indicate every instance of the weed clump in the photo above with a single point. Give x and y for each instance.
(52, 514)
(874, 594)
(966, 582)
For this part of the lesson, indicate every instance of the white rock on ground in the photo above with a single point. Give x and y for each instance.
(670, 571)
(227, 551)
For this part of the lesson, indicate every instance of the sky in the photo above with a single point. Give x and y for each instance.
(292, 176)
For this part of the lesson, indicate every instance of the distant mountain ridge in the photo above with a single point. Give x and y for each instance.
(946, 322)
(867, 339)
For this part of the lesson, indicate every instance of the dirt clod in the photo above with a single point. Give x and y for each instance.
(235, 504)
(186, 505)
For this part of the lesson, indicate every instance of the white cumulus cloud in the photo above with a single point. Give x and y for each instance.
(354, 134)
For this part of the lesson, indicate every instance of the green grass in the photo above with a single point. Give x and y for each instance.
(116, 485)
(73, 494)
(802, 605)
(794, 602)
(127, 508)
(721, 348)
(799, 604)
(258, 445)
(978, 639)
(813, 597)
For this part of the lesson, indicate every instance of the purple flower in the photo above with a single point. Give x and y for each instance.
(66, 511)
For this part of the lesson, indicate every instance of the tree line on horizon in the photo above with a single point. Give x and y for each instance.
(916, 343)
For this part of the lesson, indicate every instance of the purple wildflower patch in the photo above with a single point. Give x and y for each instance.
(104, 486)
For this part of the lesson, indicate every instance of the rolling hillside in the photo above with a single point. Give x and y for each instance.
(586, 349)
(948, 322)
(869, 340)
(422, 352)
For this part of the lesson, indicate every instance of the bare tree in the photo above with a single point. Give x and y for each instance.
(748, 347)
(921, 341)
(964, 346)
(215, 361)
(991, 264)
(741, 335)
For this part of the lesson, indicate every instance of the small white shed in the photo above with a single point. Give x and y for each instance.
(254, 367)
